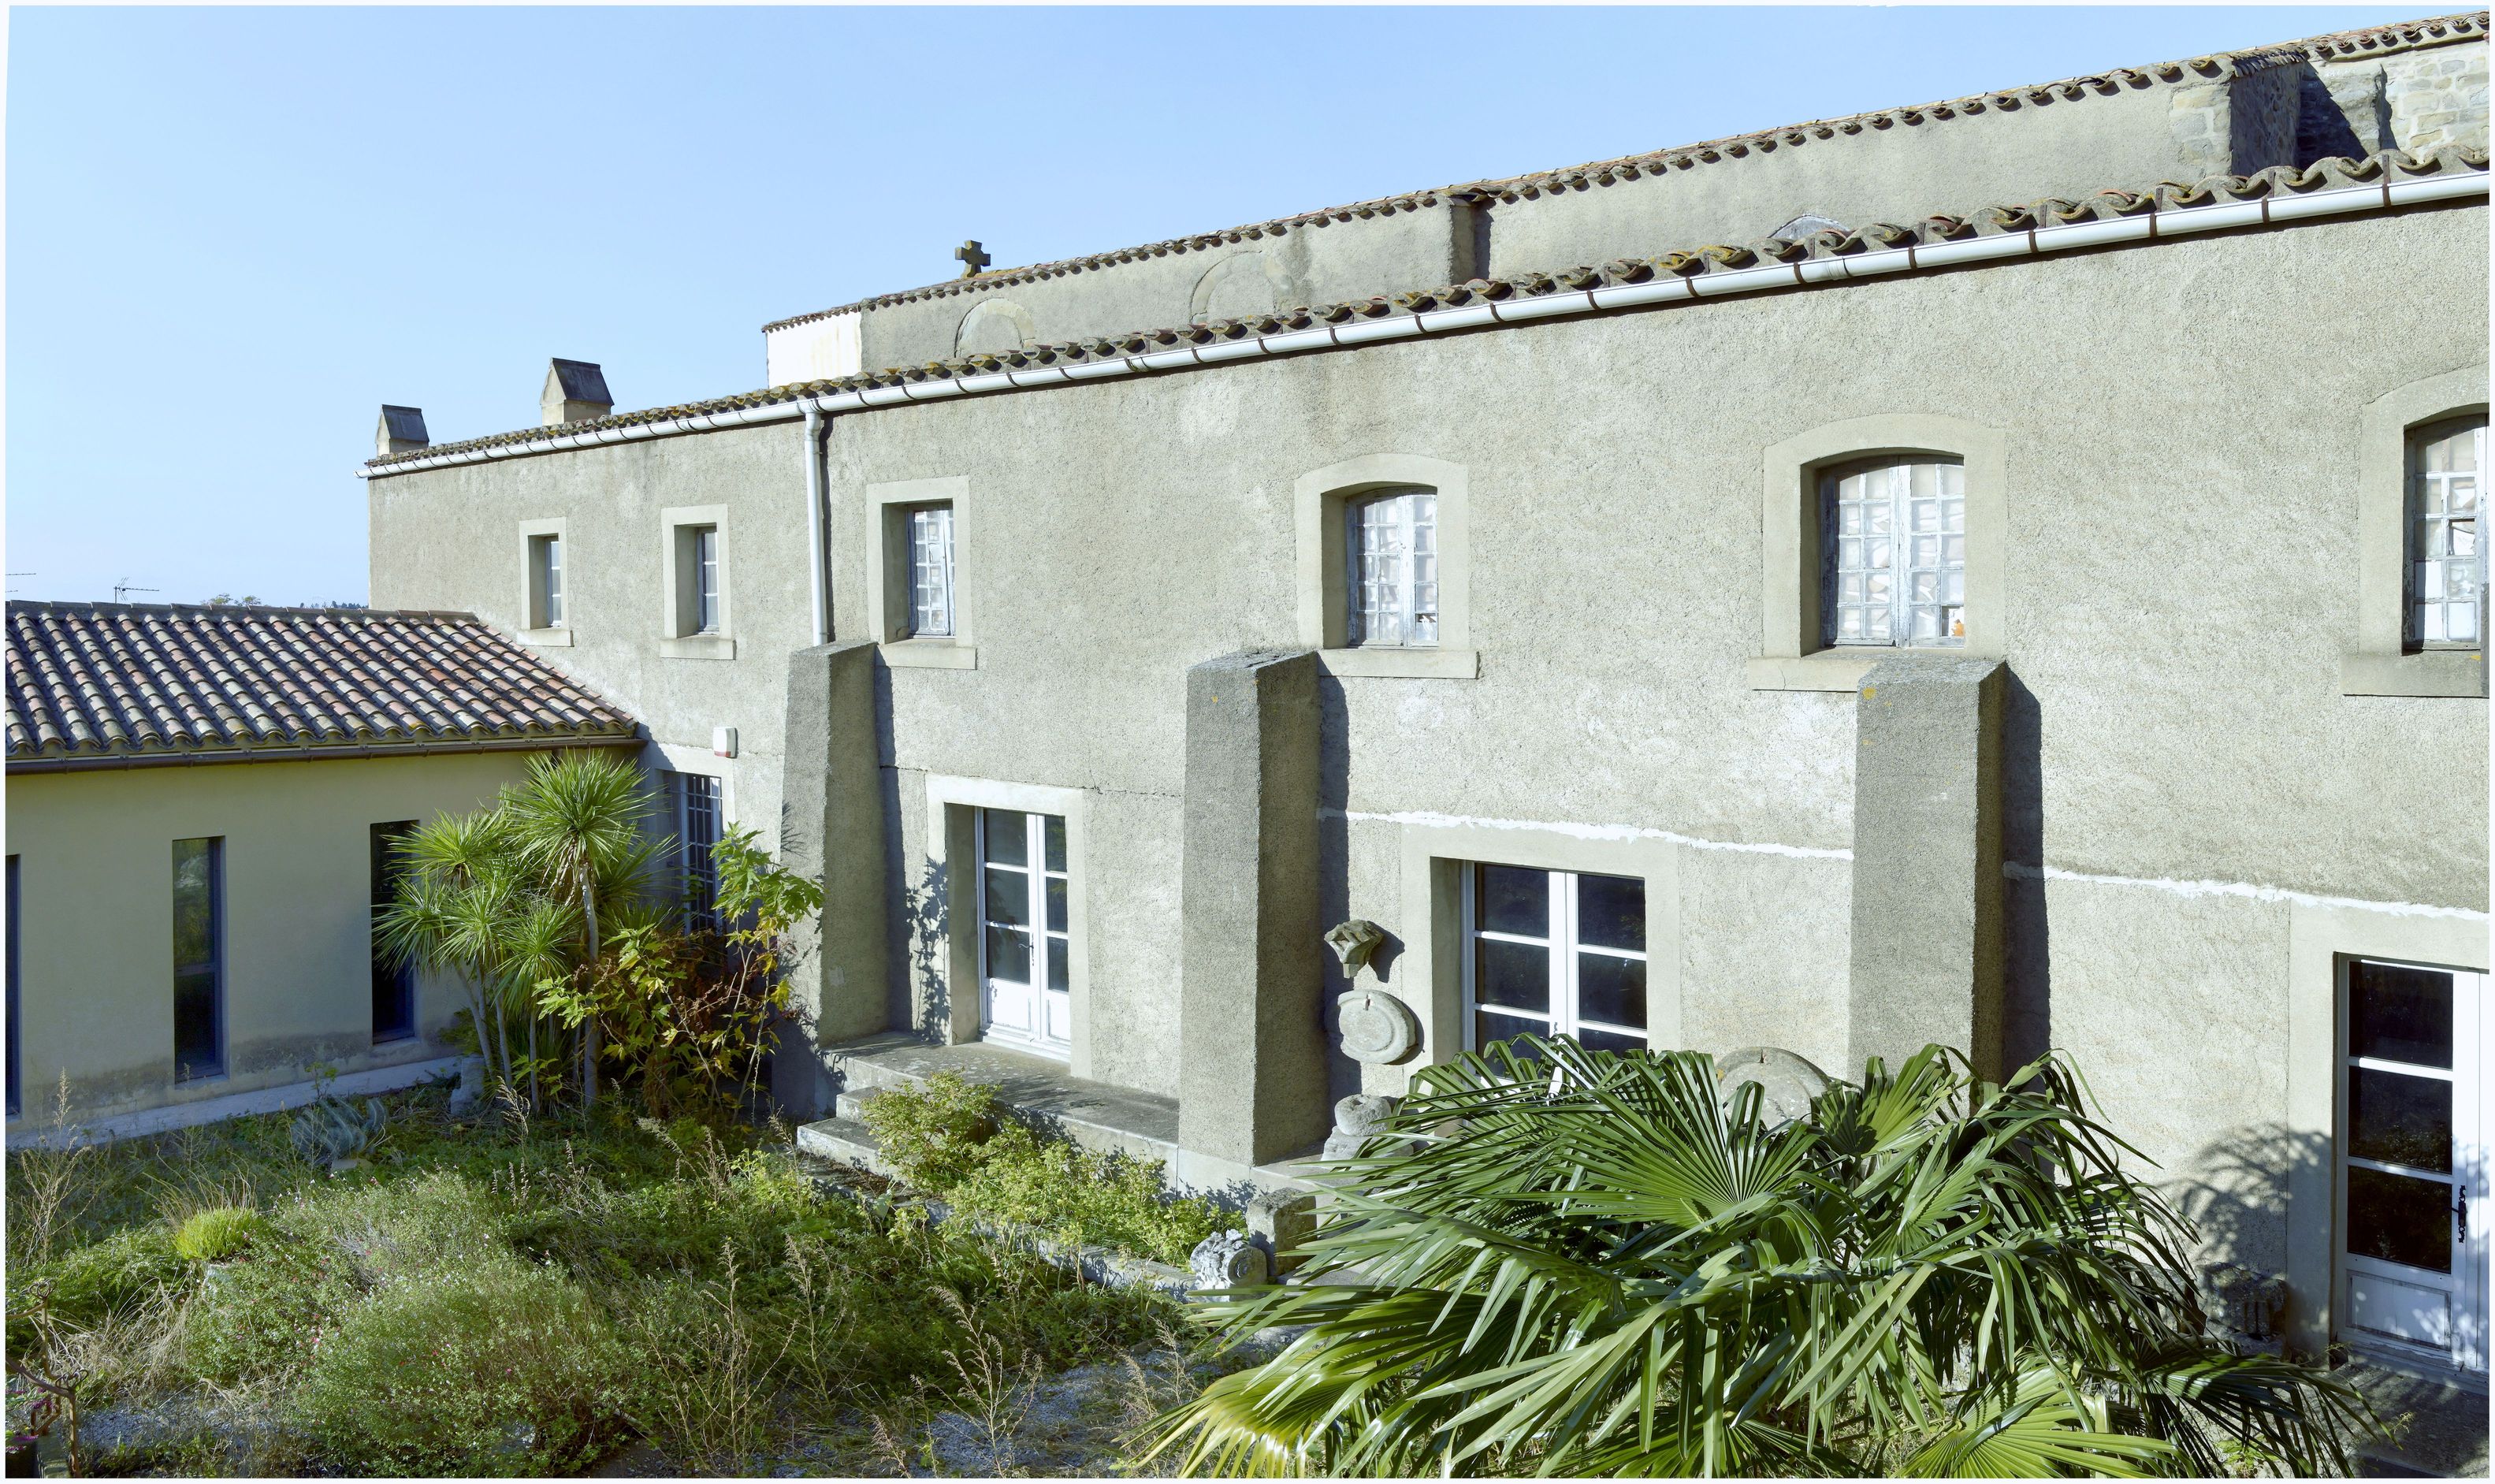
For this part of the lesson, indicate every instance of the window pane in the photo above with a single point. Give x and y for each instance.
(1008, 897)
(193, 903)
(1008, 837)
(2400, 1219)
(1611, 989)
(1056, 904)
(1605, 1040)
(1008, 954)
(195, 1024)
(1490, 1027)
(1055, 829)
(394, 983)
(2399, 1120)
(1510, 973)
(1611, 911)
(931, 571)
(2396, 1014)
(1515, 900)
(1056, 971)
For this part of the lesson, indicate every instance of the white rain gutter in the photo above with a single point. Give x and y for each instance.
(819, 580)
(2036, 241)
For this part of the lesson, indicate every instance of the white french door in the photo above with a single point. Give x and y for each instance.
(2413, 1216)
(1024, 1000)
(1554, 953)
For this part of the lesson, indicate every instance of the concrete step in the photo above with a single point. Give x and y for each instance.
(844, 1141)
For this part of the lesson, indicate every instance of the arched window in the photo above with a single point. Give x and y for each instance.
(1892, 543)
(2446, 579)
(1391, 541)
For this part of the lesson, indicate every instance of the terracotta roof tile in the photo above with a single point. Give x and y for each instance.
(2322, 176)
(2371, 41)
(99, 680)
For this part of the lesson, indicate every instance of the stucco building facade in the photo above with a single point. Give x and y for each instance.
(1985, 606)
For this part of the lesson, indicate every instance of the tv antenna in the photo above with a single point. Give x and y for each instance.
(121, 590)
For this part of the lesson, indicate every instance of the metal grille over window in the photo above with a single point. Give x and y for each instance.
(701, 830)
(1554, 953)
(1894, 539)
(2446, 576)
(706, 580)
(931, 571)
(1394, 573)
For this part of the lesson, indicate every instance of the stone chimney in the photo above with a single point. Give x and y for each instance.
(402, 430)
(575, 391)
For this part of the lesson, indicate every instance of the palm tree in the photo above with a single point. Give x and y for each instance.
(1575, 1262)
(578, 825)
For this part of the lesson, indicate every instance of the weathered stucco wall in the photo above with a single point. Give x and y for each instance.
(96, 948)
(2180, 585)
(450, 539)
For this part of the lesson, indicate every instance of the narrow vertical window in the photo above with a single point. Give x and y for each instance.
(198, 959)
(705, 579)
(1026, 947)
(1392, 546)
(15, 1071)
(545, 581)
(1554, 953)
(394, 983)
(931, 572)
(1893, 538)
(2447, 566)
(698, 826)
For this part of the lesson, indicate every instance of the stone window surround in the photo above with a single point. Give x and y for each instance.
(2380, 663)
(1791, 656)
(1426, 974)
(1318, 504)
(556, 637)
(677, 638)
(950, 803)
(2321, 940)
(887, 575)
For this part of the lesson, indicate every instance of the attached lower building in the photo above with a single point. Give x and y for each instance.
(2026, 596)
(201, 808)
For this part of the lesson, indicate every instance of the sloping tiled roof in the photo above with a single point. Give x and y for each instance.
(2336, 47)
(2390, 166)
(97, 682)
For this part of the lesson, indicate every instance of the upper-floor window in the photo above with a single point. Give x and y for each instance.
(705, 575)
(1892, 537)
(545, 582)
(1392, 543)
(931, 572)
(2447, 557)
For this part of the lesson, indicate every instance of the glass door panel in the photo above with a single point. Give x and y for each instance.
(1025, 998)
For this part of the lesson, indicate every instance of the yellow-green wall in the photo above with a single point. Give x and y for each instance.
(95, 853)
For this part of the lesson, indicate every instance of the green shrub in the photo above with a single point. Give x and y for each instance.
(497, 1368)
(931, 1134)
(86, 1284)
(219, 1233)
(1079, 1195)
(260, 1319)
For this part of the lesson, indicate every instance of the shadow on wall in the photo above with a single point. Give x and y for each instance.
(926, 925)
(1334, 876)
(2027, 998)
(2235, 1191)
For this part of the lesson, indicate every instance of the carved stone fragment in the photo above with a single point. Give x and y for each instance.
(1787, 1083)
(1228, 1259)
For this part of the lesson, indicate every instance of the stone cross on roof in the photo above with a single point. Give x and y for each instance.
(973, 258)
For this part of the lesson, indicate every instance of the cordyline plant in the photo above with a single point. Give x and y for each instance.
(1586, 1265)
(507, 898)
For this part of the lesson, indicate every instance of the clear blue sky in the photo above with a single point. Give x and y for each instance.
(233, 234)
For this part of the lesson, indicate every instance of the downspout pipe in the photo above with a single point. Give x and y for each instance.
(2150, 225)
(816, 557)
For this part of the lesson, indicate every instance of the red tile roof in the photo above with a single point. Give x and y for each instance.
(99, 682)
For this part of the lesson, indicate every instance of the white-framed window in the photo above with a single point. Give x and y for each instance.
(1554, 953)
(1892, 540)
(2447, 553)
(705, 579)
(545, 581)
(1026, 947)
(1390, 544)
(931, 572)
(700, 820)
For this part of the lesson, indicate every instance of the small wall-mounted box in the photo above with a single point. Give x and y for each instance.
(722, 741)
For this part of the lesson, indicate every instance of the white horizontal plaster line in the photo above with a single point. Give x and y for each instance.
(2021, 872)
(1583, 832)
(2148, 226)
